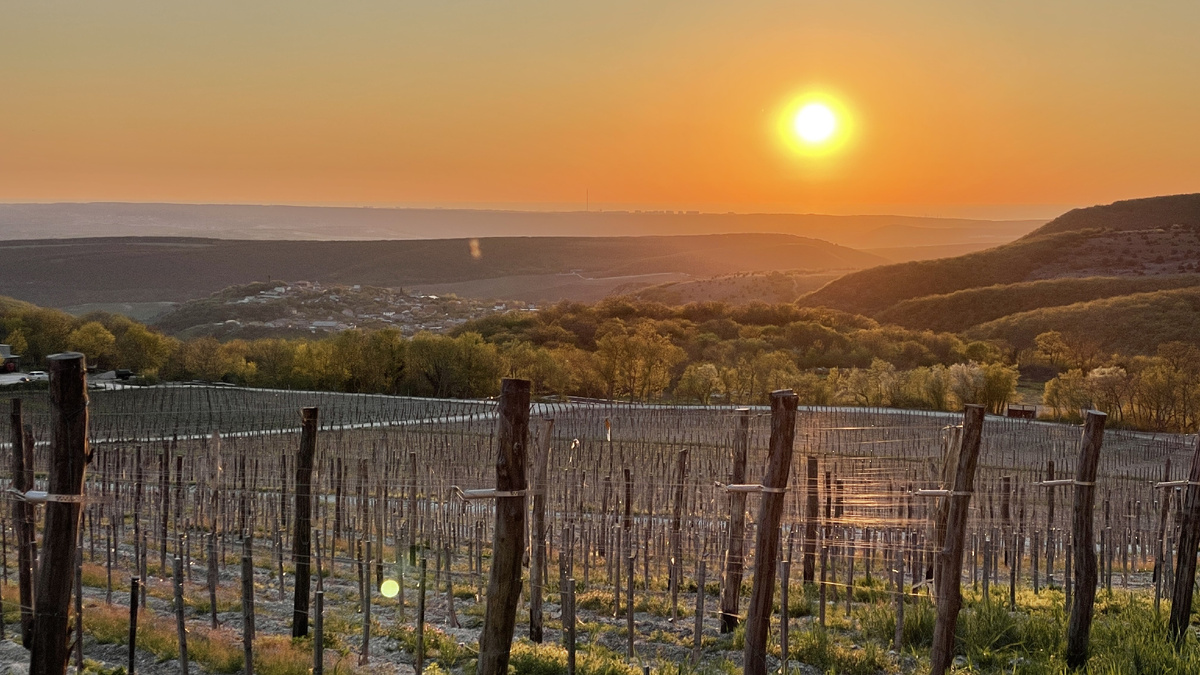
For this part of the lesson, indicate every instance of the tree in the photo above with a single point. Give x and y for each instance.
(1051, 346)
(16, 340)
(698, 383)
(95, 342)
(1067, 395)
(142, 350)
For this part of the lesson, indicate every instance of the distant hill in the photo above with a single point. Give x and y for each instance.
(1128, 324)
(1122, 239)
(1131, 214)
(958, 311)
(61, 273)
(736, 289)
(325, 223)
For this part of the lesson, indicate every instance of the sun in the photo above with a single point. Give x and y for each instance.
(815, 123)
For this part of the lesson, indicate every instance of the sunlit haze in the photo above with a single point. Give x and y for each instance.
(926, 107)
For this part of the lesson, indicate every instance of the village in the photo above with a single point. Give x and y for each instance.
(308, 307)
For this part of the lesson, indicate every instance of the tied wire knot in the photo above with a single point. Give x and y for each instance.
(486, 493)
(42, 497)
(749, 487)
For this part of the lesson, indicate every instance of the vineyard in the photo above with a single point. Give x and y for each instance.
(638, 546)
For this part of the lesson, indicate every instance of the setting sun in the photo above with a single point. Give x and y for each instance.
(815, 123)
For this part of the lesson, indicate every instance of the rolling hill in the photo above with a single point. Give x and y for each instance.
(1112, 240)
(1130, 324)
(67, 272)
(960, 310)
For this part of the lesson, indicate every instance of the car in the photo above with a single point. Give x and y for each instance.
(38, 376)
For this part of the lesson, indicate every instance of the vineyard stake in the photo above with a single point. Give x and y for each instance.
(504, 581)
(69, 457)
(783, 433)
(302, 538)
(1084, 540)
(1189, 540)
(23, 520)
(731, 591)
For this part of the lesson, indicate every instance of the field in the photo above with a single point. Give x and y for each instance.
(175, 468)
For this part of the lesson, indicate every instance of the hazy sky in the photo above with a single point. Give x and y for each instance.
(987, 108)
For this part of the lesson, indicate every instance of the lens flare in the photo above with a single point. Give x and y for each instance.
(389, 588)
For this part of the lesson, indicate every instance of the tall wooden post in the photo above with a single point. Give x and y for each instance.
(812, 507)
(23, 520)
(1084, 540)
(766, 547)
(537, 564)
(731, 593)
(1189, 540)
(508, 542)
(676, 569)
(69, 456)
(949, 565)
(302, 537)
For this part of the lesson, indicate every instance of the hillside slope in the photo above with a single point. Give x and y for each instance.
(1122, 239)
(68, 272)
(1129, 324)
(958, 311)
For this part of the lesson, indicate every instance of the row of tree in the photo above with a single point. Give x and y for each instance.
(1158, 393)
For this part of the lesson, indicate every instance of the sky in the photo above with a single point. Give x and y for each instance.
(1013, 109)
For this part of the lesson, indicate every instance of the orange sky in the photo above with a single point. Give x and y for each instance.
(961, 108)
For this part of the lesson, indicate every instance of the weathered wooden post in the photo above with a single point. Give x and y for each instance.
(947, 580)
(812, 506)
(537, 564)
(731, 591)
(180, 624)
(766, 548)
(504, 581)
(23, 519)
(247, 604)
(302, 537)
(1189, 540)
(1084, 540)
(69, 457)
(676, 569)
(133, 622)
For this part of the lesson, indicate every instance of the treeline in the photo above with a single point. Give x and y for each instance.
(616, 349)
(1156, 393)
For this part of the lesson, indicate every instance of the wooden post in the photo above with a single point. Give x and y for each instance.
(569, 625)
(365, 657)
(785, 620)
(420, 655)
(676, 569)
(1084, 540)
(319, 632)
(812, 508)
(504, 582)
(133, 622)
(180, 625)
(537, 566)
(302, 536)
(698, 630)
(948, 591)
(69, 457)
(1189, 541)
(766, 548)
(731, 590)
(23, 520)
(247, 604)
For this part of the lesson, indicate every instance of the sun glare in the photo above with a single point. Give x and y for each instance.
(814, 125)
